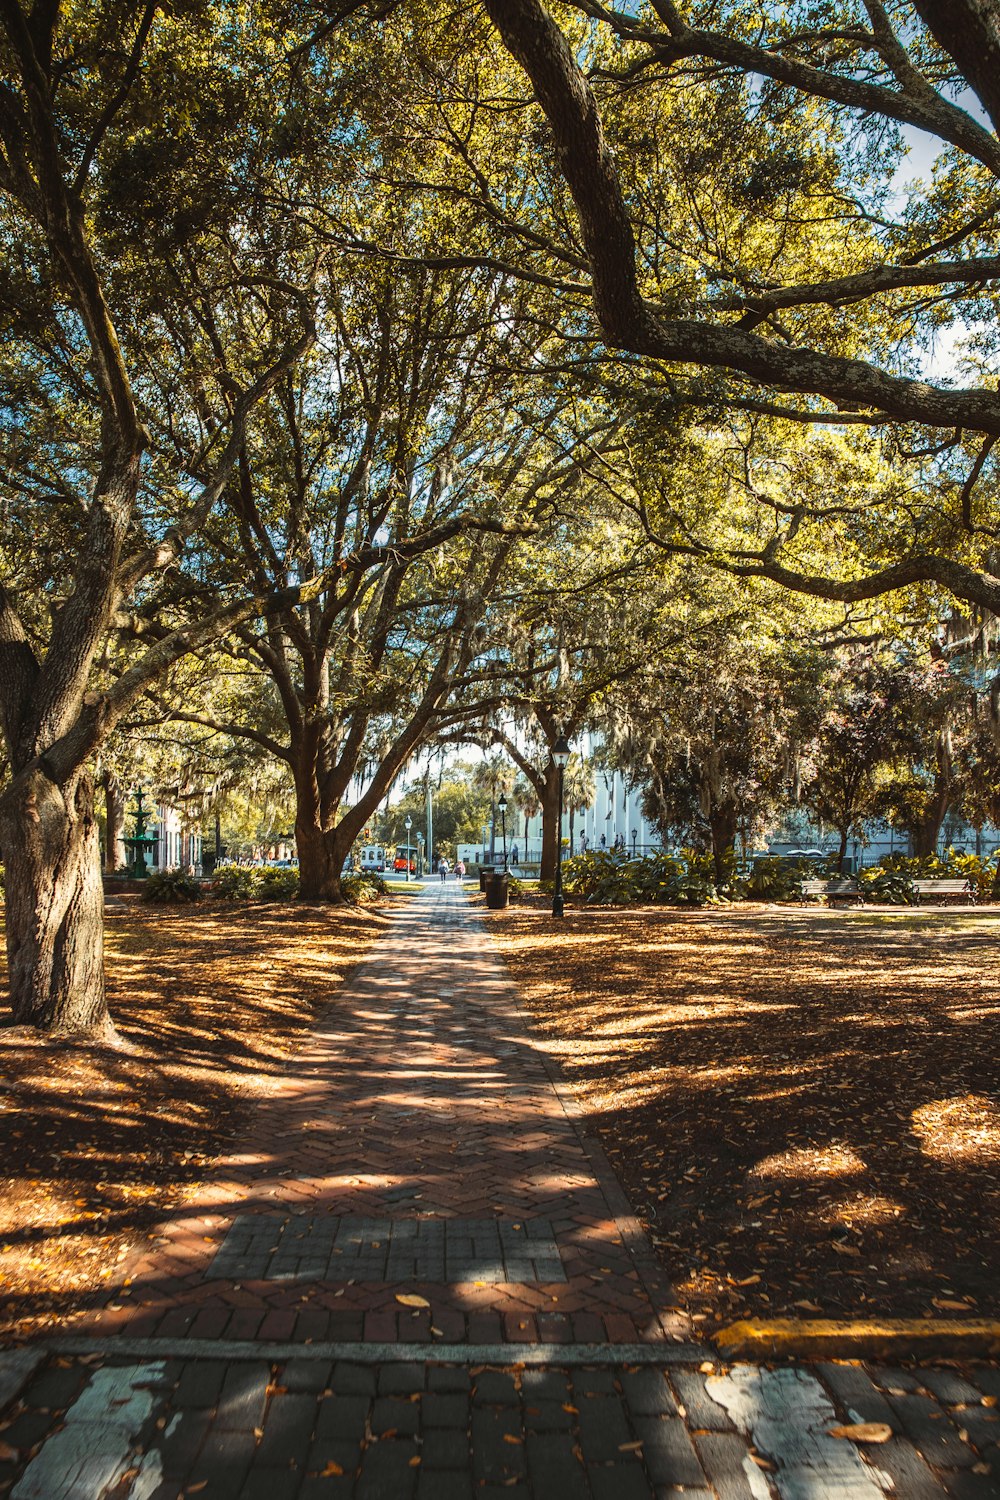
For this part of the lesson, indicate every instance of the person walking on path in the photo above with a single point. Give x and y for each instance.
(443, 868)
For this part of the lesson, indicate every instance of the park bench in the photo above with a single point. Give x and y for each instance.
(962, 890)
(837, 889)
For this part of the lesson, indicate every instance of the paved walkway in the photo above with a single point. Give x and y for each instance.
(417, 1278)
(418, 1147)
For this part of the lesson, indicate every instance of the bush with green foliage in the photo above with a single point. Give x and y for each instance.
(609, 877)
(979, 869)
(170, 887)
(776, 880)
(276, 883)
(362, 890)
(887, 887)
(235, 882)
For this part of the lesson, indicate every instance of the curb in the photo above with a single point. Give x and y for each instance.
(569, 1356)
(16, 1368)
(896, 1338)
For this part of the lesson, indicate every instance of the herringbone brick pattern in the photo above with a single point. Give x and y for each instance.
(420, 1098)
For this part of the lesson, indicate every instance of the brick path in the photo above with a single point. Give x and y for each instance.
(416, 1146)
(419, 1148)
(319, 1429)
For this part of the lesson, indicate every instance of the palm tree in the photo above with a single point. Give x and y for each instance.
(579, 789)
(527, 802)
(493, 776)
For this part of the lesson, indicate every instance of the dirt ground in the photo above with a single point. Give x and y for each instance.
(95, 1144)
(804, 1106)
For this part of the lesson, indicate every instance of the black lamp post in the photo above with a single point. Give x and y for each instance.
(635, 835)
(502, 805)
(560, 754)
(408, 824)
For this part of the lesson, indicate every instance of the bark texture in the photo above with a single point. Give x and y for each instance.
(968, 29)
(114, 824)
(548, 794)
(320, 861)
(54, 904)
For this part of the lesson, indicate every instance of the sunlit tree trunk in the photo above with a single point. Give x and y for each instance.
(54, 904)
(114, 824)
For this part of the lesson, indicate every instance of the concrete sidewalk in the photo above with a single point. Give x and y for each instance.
(417, 1277)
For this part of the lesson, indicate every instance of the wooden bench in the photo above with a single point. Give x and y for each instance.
(963, 890)
(837, 889)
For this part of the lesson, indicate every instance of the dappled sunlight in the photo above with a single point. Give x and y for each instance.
(966, 1128)
(864, 1210)
(98, 1144)
(810, 1161)
(791, 1096)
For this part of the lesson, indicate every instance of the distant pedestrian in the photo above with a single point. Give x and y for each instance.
(513, 855)
(460, 869)
(443, 868)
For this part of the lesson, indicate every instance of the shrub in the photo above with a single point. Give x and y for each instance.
(608, 877)
(362, 890)
(776, 880)
(235, 882)
(275, 883)
(979, 869)
(170, 887)
(887, 887)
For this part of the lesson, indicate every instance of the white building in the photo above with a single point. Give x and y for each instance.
(178, 845)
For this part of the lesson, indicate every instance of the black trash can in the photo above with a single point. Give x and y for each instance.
(497, 896)
(484, 876)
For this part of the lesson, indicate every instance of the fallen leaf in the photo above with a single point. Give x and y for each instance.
(510, 1437)
(332, 1467)
(863, 1432)
(414, 1462)
(635, 1447)
(8, 1454)
(410, 1299)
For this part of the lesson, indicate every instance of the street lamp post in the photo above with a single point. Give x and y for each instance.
(408, 824)
(635, 835)
(502, 805)
(560, 754)
(420, 855)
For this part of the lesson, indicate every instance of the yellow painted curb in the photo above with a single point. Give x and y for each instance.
(827, 1338)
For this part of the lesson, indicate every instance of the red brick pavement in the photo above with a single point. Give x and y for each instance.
(420, 1093)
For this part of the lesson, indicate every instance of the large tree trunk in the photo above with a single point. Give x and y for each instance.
(927, 832)
(321, 860)
(722, 822)
(842, 850)
(551, 822)
(114, 826)
(55, 905)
